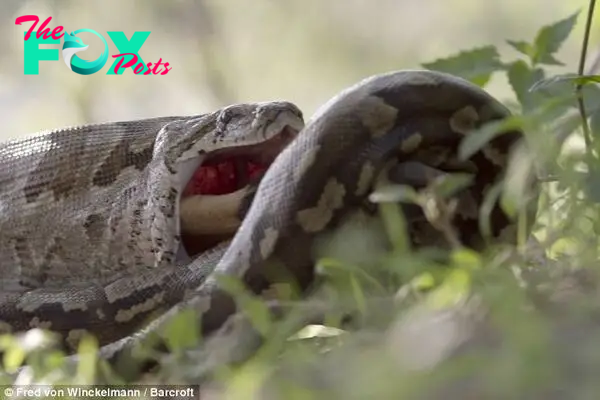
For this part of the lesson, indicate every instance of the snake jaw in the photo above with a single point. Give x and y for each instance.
(229, 169)
(211, 203)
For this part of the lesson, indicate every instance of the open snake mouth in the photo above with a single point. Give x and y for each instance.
(228, 170)
(212, 199)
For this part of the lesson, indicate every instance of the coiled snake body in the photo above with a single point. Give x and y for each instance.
(327, 171)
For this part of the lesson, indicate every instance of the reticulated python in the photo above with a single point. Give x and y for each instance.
(89, 227)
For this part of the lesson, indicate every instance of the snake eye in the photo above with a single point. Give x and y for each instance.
(225, 116)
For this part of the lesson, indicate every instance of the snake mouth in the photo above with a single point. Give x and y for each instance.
(227, 170)
(212, 199)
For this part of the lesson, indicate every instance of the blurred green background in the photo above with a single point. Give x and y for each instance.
(226, 51)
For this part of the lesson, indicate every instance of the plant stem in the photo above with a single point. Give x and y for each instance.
(586, 129)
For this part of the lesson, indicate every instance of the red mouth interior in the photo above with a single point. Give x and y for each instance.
(228, 170)
(223, 175)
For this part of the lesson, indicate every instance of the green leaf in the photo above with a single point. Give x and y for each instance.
(13, 357)
(395, 194)
(521, 78)
(453, 289)
(182, 331)
(87, 352)
(7, 341)
(587, 79)
(487, 207)
(477, 139)
(560, 95)
(336, 269)
(467, 259)
(423, 281)
(395, 226)
(522, 47)
(563, 246)
(574, 79)
(517, 182)
(358, 294)
(550, 38)
(475, 65)
(449, 184)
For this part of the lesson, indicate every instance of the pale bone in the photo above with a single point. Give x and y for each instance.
(211, 215)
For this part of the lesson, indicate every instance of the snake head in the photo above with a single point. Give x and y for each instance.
(242, 143)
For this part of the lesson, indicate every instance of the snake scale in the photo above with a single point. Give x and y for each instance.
(89, 217)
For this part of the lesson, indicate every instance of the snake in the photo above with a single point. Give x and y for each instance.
(322, 172)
